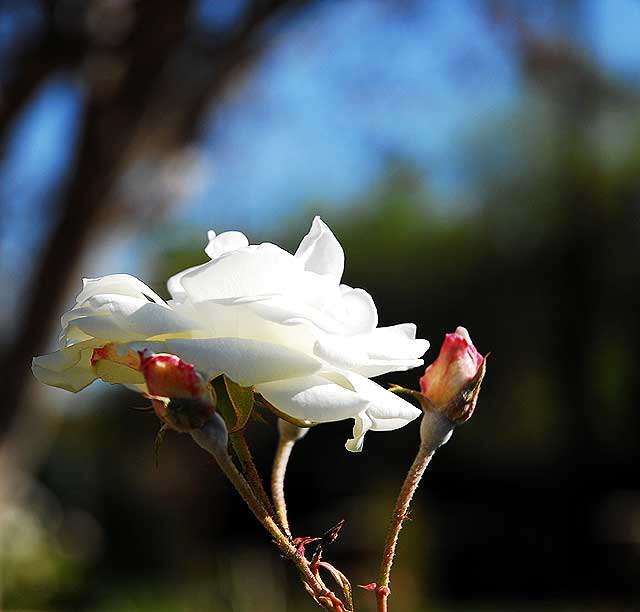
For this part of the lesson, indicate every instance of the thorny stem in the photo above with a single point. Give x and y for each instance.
(321, 594)
(289, 434)
(435, 431)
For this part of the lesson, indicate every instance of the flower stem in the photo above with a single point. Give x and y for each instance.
(245, 457)
(210, 439)
(400, 511)
(435, 431)
(324, 597)
(283, 452)
(381, 596)
(289, 434)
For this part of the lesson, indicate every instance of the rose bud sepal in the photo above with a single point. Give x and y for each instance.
(212, 436)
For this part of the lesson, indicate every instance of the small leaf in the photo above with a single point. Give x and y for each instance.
(341, 580)
(372, 586)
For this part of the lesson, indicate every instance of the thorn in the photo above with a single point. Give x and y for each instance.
(372, 586)
(332, 534)
(329, 537)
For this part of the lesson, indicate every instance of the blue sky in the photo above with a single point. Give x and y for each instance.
(342, 89)
(613, 31)
(342, 93)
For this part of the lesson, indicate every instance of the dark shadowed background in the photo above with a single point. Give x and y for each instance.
(480, 163)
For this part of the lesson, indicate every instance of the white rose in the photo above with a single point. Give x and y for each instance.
(281, 323)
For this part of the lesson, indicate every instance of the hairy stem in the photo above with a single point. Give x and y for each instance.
(212, 438)
(400, 511)
(435, 431)
(245, 457)
(281, 459)
(281, 540)
(381, 596)
(289, 434)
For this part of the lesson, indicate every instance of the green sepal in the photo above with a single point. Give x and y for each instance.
(263, 403)
(235, 403)
(242, 401)
(256, 415)
(401, 390)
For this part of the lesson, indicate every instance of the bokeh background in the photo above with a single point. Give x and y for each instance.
(480, 162)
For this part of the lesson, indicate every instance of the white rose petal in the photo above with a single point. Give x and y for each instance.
(387, 410)
(69, 369)
(320, 252)
(174, 284)
(361, 314)
(395, 342)
(279, 322)
(262, 270)
(123, 318)
(361, 426)
(121, 284)
(247, 362)
(224, 243)
(313, 398)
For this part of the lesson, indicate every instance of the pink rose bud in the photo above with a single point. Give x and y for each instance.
(168, 376)
(451, 384)
(181, 396)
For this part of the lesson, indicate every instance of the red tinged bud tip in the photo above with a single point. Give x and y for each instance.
(181, 396)
(451, 384)
(168, 376)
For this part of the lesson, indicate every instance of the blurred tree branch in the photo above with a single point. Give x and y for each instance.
(31, 66)
(149, 78)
